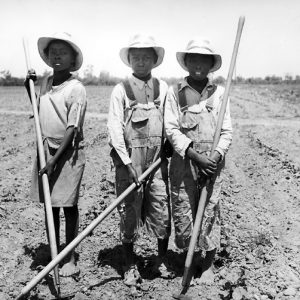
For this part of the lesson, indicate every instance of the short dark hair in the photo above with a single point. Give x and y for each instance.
(154, 53)
(192, 54)
(46, 50)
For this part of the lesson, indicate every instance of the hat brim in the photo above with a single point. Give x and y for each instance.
(43, 43)
(160, 51)
(217, 59)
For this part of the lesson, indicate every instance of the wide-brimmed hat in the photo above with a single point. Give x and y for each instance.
(44, 41)
(199, 46)
(140, 41)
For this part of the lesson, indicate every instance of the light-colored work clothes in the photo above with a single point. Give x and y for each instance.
(136, 134)
(58, 110)
(193, 123)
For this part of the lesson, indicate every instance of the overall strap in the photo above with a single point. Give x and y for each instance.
(210, 100)
(128, 90)
(155, 88)
(181, 98)
(130, 94)
(211, 89)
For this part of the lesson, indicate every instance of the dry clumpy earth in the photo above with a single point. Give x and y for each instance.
(259, 258)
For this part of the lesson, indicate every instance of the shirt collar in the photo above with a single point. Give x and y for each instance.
(185, 84)
(141, 84)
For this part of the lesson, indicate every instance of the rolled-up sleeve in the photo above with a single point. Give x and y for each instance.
(226, 130)
(179, 141)
(76, 99)
(116, 125)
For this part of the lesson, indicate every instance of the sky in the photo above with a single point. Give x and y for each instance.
(270, 43)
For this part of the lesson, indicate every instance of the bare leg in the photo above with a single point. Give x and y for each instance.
(128, 254)
(56, 225)
(72, 223)
(161, 265)
(162, 247)
(55, 212)
(131, 273)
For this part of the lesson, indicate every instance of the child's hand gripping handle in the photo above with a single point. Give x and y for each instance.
(86, 232)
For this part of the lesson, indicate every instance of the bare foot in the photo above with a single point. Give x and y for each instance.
(69, 269)
(207, 277)
(132, 276)
(163, 268)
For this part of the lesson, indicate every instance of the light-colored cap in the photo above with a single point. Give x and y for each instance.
(140, 41)
(44, 41)
(199, 46)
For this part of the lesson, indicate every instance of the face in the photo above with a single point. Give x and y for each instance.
(142, 60)
(61, 56)
(198, 65)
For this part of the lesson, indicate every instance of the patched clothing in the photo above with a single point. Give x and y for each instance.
(190, 120)
(136, 134)
(58, 110)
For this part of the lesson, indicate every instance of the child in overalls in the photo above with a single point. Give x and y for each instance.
(62, 105)
(135, 125)
(191, 113)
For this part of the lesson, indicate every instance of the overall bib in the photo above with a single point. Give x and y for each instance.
(149, 204)
(199, 124)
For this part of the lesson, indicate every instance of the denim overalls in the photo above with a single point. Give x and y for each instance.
(149, 204)
(198, 122)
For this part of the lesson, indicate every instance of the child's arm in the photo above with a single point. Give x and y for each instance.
(115, 126)
(178, 140)
(116, 123)
(51, 163)
(226, 130)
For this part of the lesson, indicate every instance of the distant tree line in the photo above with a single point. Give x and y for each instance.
(106, 79)
(273, 79)
(6, 79)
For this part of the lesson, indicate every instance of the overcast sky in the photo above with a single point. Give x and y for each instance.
(270, 41)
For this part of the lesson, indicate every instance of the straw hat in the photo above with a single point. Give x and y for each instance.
(43, 43)
(140, 41)
(199, 46)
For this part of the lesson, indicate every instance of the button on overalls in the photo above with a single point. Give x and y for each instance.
(149, 204)
(198, 122)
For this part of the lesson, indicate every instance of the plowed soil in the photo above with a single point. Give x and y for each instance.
(259, 257)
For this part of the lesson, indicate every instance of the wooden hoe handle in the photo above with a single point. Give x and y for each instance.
(45, 181)
(85, 232)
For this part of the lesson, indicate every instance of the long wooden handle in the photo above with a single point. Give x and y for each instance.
(203, 196)
(85, 232)
(228, 83)
(45, 181)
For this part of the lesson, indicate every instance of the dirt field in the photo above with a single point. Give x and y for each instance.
(259, 257)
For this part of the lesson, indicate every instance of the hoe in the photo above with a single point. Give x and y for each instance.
(202, 201)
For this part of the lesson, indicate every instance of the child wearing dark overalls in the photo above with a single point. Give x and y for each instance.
(191, 113)
(135, 125)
